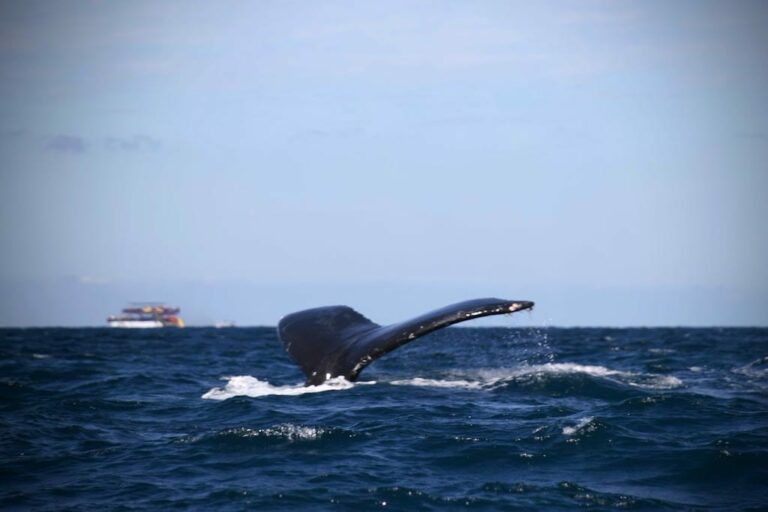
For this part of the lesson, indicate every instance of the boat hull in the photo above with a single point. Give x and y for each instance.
(135, 324)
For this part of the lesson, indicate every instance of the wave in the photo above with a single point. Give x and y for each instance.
(245, 385)
(583, 422)
(284, 431)
(435, 383)
(756, 369)
(249, 438)
(490, 379)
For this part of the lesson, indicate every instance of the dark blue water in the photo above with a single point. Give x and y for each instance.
(479, 419)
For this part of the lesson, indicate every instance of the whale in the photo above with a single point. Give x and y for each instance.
(337, 341)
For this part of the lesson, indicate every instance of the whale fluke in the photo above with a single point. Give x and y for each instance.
(338, 341)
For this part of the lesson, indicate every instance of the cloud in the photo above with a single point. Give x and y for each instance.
(67, 144)
(136, 143)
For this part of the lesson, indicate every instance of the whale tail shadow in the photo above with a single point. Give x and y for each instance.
(337, 341)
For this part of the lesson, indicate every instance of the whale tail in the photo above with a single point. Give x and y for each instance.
(336, 341)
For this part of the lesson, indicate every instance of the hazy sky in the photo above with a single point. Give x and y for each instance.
(497, 148)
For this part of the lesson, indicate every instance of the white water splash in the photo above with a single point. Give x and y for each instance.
(245, 385)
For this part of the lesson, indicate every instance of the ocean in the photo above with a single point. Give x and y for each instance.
(462, 419)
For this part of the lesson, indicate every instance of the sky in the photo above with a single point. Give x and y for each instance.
(243, 160)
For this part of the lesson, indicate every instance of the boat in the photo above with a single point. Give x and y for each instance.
(146, 316)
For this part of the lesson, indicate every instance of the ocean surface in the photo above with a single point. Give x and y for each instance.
(463, 419)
